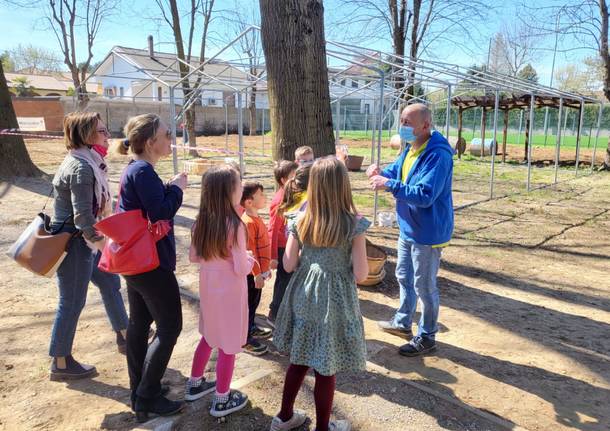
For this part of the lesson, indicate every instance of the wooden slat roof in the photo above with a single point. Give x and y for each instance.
(513, 101)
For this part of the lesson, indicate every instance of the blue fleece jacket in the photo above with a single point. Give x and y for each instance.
(424, 204)
(143, 189)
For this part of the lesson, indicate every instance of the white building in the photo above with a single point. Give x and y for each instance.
(139, 74)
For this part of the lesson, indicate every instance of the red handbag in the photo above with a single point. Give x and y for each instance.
(131, 242)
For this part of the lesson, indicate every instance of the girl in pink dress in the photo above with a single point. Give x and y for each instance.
(218, 245)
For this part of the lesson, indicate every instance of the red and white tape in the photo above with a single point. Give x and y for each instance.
(220, 151)
(16, 132)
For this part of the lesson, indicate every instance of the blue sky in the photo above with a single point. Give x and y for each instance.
(139, 18)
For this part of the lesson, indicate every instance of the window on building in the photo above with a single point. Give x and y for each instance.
(121, 92)
(343, 82)
(212, 101)
(354, 83)
(159, 94)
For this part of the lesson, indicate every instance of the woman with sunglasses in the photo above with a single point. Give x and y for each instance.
(153, 295)
(81, 197)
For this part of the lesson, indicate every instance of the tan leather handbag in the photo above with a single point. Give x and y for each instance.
(39, 250)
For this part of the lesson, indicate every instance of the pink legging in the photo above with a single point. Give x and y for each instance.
(224, 366)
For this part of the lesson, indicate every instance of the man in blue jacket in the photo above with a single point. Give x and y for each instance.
(420, 181)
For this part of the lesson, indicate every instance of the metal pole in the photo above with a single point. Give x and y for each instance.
(580, 121)
(520, 126)
(337, 122)
(240, 132)
(529, 144)
(226, 126)
(379, 133)
(448, 115)
(558, 140)
(546, 127)
(344, 119)
(494, 145)
(366, 118)
(172, 126)
(374, 125)
(263, 130)
(599, 122)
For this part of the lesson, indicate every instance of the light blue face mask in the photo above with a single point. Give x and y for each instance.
(406, 134)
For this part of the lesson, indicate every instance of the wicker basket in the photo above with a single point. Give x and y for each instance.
(373, 280)
(354, 163)
(376, 258)
(198, 166)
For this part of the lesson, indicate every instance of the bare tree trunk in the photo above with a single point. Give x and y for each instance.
(461, 142)
(189, 114)
(414, 48)
(297, 74)
(14, 157)
(603, 46)
(252, 103)
(252, 111)
(189, 126)
(399, 32)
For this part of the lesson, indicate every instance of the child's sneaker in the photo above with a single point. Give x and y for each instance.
(255, 348)
(339, 426)
(298, 418)
(196, 389)
(262, 333)
(230, 403)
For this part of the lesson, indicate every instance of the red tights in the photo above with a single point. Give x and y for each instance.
(323, 393)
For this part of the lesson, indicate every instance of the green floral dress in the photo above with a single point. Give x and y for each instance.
(319, 322)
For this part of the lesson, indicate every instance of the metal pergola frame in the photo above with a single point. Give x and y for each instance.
(433, 76)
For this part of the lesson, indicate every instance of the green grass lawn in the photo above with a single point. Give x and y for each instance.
(512, 138)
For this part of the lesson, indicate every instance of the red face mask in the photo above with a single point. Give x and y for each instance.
(102, 151)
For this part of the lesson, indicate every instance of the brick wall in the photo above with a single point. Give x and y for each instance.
(51, 109)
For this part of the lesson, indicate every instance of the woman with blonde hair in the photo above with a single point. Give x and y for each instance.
(319, 322)
(153, 295)
(81, 197)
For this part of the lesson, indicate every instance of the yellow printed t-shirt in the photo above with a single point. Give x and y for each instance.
(299, 198)
(410, 160)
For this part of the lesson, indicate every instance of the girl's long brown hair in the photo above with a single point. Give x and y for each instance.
(330, 214)
(295, 185)
(217, 223)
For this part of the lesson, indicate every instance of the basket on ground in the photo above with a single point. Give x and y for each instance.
(198, 166)
(376, 258)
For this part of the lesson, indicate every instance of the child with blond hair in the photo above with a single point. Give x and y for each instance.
(319, 323)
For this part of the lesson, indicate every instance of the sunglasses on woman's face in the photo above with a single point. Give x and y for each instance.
(103, 132)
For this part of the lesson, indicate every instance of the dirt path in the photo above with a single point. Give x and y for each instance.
(525, 317)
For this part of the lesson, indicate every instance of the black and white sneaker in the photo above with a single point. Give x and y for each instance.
(255, 348)
(223, 406)
(418, 346)
(196, 389)
(261, 333)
